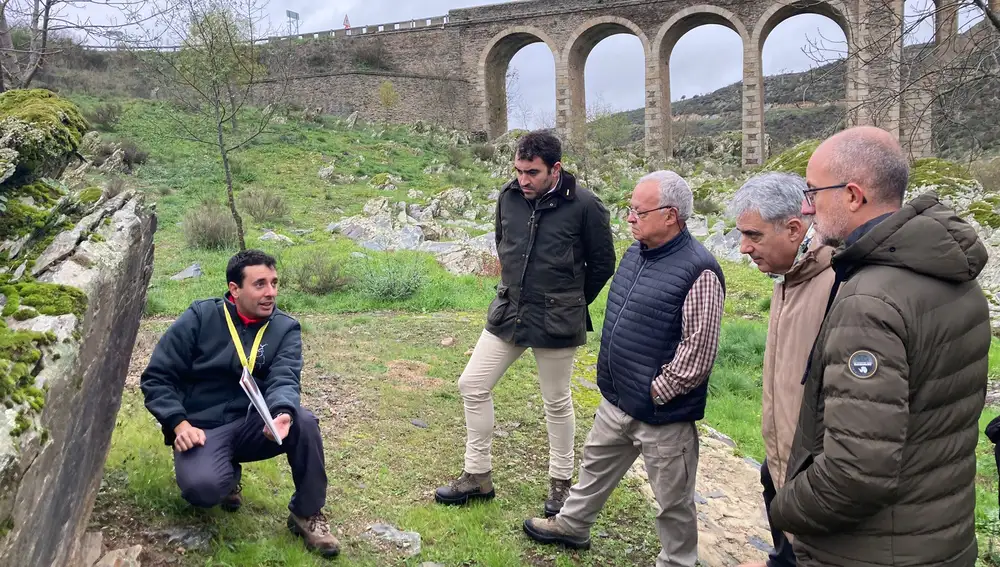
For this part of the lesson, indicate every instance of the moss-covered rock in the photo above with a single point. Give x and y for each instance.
(984, 213)
(47, 299)
(794, 159)
(946, 177)
(91, 195)
(43, 130)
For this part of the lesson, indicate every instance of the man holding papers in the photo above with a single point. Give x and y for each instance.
(223, 382)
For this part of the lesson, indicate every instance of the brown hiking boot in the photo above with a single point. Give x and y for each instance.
(316, 531)
(468, 486)
(548, 531)
(558, 492)
(232, 501)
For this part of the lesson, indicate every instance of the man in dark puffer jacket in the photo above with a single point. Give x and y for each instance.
(192, 387)
(883, 467)
(658, 345)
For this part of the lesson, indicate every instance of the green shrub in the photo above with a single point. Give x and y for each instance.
(316, 274)
(210, 226)
(134, 155)
(105, 117)
(264, 206)
(707, 207)
(390, 278)
(484, 152)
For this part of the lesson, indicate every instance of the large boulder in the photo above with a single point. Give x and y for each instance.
(40, 134)
(76, 325)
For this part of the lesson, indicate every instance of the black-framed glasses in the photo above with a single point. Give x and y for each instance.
(642, 214)
(810, 191)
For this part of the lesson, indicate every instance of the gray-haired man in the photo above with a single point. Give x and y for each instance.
(778, 238)
(658, 345)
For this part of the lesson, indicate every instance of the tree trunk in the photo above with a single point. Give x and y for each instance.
(229, 179)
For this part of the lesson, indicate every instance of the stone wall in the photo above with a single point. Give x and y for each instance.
(53, 468)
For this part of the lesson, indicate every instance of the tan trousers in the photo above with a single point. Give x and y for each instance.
(490, 359)
(670, 453)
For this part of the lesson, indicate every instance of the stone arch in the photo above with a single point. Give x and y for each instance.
(659, 140)
(781, 10)
(753, 72)
(493, 64)
(572, 102)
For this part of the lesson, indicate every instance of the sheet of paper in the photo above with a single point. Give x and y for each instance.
(257, 399)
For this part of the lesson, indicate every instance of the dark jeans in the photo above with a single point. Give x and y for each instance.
(208, 473)
(782, 555)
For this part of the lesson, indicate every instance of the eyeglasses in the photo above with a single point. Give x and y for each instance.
(809, 192)
(642, 214)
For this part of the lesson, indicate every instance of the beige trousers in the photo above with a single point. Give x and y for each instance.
(490, 359)
(670, 453)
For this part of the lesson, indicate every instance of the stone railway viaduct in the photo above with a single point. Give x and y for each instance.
(452, 69)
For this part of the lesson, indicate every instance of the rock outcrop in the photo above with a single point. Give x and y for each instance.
(74, 269)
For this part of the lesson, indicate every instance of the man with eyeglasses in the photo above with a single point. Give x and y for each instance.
(780, 240)
(882, 470)
(658, 346)
(556, 254)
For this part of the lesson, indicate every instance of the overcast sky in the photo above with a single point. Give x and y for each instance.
(705, 59)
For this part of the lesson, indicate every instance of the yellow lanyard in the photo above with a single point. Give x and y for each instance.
(239, 345)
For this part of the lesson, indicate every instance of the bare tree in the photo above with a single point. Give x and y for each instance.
(516, 105)
(938, 80)
(224, 81)
(28, 28)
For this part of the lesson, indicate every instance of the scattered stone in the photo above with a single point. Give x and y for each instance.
(414, 194)
(20, 271)
(122, 558)
(726, 246)
(587, 383)
(274, 236)
(715, 434)
(419, 423)
(90, 142)
(715, 494)
(698, 226)
(352, 120)
(699, 499)
(760, 544)
(494, 195)
(92, 546)
(358, 255)
(448, 341)
(191, 539)
(192, 271)
(302, 231)
(431, 564)
(409, 542)
(468, 352)
(327, 173)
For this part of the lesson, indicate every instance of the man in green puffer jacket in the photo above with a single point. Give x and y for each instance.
(883, 466)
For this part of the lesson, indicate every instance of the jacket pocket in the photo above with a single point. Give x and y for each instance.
(565, 313)
(498, 308)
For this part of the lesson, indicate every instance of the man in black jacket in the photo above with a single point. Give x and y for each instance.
(556, 254)
(192, 387)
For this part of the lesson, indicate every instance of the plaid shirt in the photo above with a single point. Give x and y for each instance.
(701, 318)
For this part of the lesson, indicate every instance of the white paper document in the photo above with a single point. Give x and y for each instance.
(257, 399)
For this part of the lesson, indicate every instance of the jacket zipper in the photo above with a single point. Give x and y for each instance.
(527, 255)
(611, 343)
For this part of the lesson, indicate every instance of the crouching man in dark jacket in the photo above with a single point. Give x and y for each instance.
(658, 346)
(192, 387)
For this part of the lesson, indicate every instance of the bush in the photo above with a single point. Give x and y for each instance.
(134, 155)
(210, 226)
(988, 173)
(240, 172)
(391, 279)
(264, 206)
(105, 117)
(316, 274)
(114, 187)
(373, 56)
(707, 207)
(455, 157)
(484, 152)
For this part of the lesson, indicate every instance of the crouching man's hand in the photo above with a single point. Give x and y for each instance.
(283, 422)
(188, 437)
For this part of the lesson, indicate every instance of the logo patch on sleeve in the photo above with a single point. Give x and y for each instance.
(862, 364)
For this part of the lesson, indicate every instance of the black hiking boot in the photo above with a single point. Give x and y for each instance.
(558, 492)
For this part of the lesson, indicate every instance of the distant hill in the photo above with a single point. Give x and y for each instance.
(808, 105)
